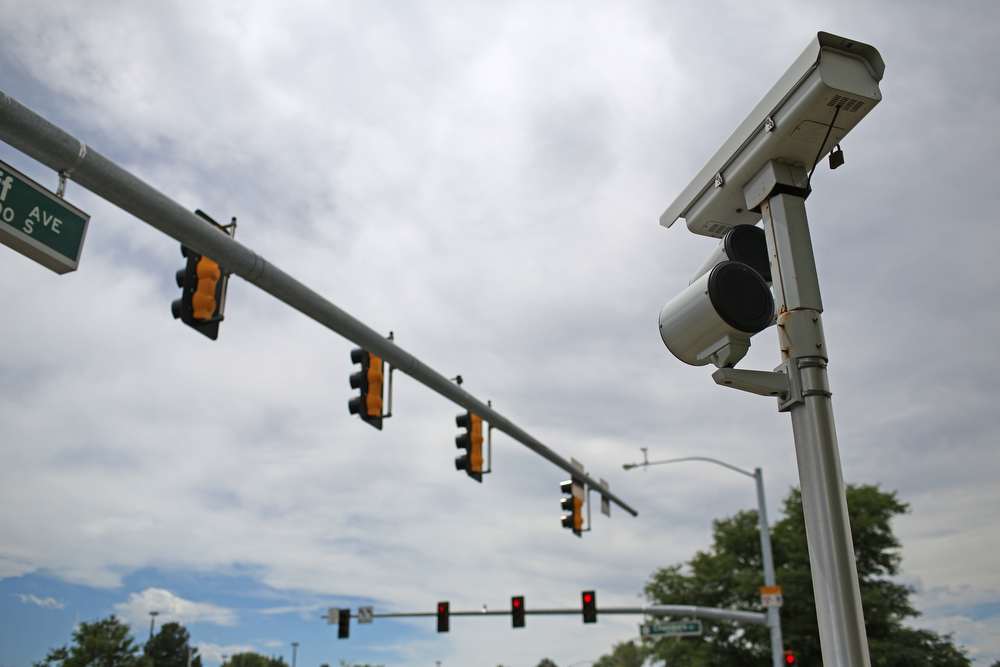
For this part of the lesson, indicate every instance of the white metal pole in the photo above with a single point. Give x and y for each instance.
(828, 531)
(773, 615)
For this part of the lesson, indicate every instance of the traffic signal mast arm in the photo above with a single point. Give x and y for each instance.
(660, 610)
(33, 135)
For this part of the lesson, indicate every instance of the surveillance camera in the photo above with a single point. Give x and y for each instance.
(713, 319)
(742, 243)
(822, 96)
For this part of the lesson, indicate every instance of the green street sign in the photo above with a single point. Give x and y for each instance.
(38, 224)
(671, 629)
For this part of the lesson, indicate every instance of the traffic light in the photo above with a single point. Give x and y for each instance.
(517, 611)
(203, 290)
(574, 505)
(790, 659)
(442, 617)
(472, 442)
(368, 404)
(344, 624)
(589, 607)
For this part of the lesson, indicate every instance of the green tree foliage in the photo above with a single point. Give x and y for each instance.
(169, 647)
(104, 643)
(729, 575)
(624, 654)
(545, 662)
(254, 660)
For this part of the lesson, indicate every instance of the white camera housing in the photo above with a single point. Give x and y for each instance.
(833, 75)
(713, 319)
(742, 243)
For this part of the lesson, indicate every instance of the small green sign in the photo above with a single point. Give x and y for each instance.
(38, 224)
(671, 629)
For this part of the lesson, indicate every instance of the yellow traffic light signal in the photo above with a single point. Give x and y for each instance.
(472, 442)
(368, 403)
(203, 288)
(574, 505)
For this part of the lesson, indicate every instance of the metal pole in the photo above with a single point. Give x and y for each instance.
(751, 617)
(773, 615)
(295, 646)
(152, 619)
(828, 530)
(40, 139)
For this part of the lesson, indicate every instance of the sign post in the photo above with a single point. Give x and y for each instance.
(38, 224)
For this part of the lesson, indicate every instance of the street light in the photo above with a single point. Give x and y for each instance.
(773, 618)
(295, 646)
(153, 615)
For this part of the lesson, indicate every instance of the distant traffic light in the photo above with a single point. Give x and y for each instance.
(368, 404)
(203, 289)
(472, 442)
(517, 611)
(589, 606)
(442, 617)
(574, 505)
(790, 659)
(344, 624)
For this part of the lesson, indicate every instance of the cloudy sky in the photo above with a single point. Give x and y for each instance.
(485, 181)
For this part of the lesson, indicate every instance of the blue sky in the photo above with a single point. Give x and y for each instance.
(485, 181)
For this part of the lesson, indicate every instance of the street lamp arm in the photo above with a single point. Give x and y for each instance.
(629, 466)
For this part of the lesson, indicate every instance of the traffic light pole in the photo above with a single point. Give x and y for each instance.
(806, 396)
(773, 617)
(33, 135)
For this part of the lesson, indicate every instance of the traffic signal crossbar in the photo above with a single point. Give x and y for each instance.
(35, 136)
(750, 617)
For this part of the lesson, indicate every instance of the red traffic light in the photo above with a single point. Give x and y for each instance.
(517, 611)
(443, 616)
(589, 606)
(790, 658)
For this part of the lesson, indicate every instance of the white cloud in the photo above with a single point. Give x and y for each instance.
(44, 603)
(171, 608)
(485, 181)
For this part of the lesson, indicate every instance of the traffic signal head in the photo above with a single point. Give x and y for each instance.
(472, 442)
(589, 606)
(344, 624)
(443, 617)
(203, 294)
(517, 611)
(573, 505)
(790, 659)
(203, 288)
(368, 403)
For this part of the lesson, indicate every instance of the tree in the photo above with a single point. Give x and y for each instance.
(729, 575)
(252, 659)
(104, 643)
(545, 662)
(624, 654)
(169, 648)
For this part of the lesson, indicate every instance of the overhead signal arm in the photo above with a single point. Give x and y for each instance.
(23, 129)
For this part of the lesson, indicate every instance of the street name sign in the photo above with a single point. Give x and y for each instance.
(671, 629)
(770, 596)
(38, 224)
